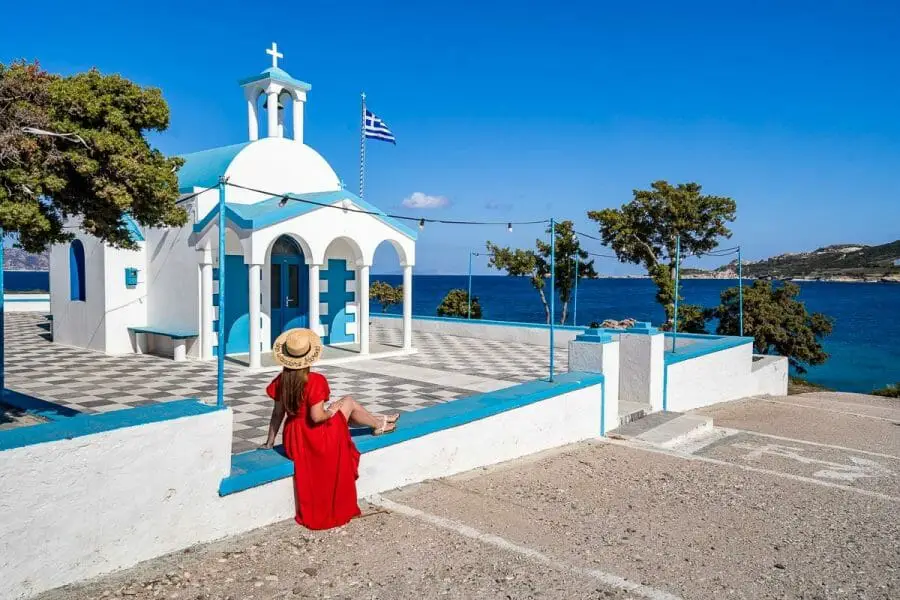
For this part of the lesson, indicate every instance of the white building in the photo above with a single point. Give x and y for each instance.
(289, 263)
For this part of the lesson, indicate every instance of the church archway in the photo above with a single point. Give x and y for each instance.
(288, 286)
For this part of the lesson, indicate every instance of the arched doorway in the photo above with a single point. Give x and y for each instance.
(289, 287)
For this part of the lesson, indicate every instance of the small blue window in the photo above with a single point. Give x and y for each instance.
(131, 279)
(76, 271)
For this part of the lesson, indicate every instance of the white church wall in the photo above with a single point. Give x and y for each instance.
(173, 281)
(125, 306)
(289, 167)
(316, 230)
(77, 323)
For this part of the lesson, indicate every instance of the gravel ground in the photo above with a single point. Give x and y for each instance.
(565, 523)
(853, 420)
(380, 556)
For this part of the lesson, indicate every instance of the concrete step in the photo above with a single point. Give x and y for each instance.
(677, 431)
(631, 411)
(639, 424)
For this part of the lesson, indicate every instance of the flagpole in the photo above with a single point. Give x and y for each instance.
(362, 148)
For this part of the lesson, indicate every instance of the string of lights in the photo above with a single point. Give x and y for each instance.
(195, 194)
(285, 198)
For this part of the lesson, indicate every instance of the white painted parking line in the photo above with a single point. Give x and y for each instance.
(796, 441)
(831, 410)
(725, 463)
(608, 579)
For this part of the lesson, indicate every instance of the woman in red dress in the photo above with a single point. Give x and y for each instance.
(316, 435)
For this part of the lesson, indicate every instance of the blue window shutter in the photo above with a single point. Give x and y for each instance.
(76, 272)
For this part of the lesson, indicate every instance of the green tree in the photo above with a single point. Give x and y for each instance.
(536, 264)
(76, 147)
(644, 231)
(889, 391)
(456, 304)
(777, 321)
(386, 294)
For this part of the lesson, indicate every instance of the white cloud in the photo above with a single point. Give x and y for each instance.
(423, 200)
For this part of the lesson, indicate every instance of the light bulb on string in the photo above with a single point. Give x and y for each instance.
(509, 227)
(421, 224)
(283, 202)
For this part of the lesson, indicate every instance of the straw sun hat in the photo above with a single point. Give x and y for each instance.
(297, 348)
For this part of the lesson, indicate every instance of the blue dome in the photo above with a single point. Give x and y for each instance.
(202, 169)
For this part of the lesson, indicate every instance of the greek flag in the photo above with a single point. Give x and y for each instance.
(377, 129)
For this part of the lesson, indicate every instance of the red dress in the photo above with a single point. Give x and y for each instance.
(326, 462)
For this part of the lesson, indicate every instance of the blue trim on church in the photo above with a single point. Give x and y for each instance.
(336, 318)
(202, 169)
(269, 211)
(134, 230)
(277, 74)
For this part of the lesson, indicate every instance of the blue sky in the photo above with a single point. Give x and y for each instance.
(520, 111)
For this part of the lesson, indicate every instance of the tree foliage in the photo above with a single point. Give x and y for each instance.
(386, 294)
(101, 170)
(889, 391)
(777, 321)
(535, 264)
(644, 231)
(456, 304)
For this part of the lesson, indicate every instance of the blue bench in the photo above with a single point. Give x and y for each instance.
(179, 339)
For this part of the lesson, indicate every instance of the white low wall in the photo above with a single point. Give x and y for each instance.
(557, 421)
(71, 509)
(600, 357)
(526, 333)
(719, 376)
(769, 375)
(641, 369)
(39, 303)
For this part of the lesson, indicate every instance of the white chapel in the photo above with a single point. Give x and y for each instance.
(290, 262)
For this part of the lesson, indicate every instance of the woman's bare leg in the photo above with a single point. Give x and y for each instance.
(356, 414)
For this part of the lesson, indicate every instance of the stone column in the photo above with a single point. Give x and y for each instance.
(407, 307)
(298, 99)
(272, 111)
(206, 305)
(255, 275)
(252, 116)
(314, 317)
(363, 310)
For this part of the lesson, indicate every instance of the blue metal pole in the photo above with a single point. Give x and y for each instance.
(741, 290)
(675, 315)
(469, 296)
(575, 297)
(552, 289)
(220, 329)
(2, 323)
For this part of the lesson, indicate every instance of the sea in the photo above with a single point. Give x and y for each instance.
(864, 349)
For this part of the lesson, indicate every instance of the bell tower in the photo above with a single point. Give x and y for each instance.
(278, 87)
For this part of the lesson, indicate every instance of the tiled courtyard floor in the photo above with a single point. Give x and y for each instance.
(445, 367)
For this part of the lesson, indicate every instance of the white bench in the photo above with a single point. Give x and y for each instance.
(179, 339)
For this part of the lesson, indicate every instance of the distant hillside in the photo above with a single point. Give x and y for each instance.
(841, 261)
(15, 259)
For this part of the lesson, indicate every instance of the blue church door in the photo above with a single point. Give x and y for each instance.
(289, 286)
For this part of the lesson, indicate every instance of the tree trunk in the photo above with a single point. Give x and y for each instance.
(565, 312)
(546, 306)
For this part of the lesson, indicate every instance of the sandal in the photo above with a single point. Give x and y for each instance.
(383, 430)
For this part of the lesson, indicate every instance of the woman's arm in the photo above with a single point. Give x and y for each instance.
(319, 414)
(275, 423)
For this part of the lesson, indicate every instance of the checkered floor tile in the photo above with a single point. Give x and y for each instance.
(507, 361)
(90, 381)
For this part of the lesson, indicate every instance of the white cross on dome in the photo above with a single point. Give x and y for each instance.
(273, 51)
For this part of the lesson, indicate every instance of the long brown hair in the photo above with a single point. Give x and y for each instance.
(290, 388)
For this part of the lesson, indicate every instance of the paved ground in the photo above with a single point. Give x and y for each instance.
(597, 520)
(445, 368)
